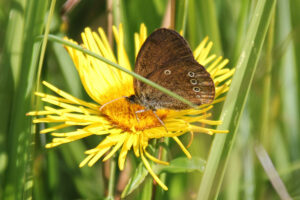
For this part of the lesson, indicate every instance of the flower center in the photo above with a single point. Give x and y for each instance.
(130, 116)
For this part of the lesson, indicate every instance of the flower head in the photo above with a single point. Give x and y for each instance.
(117, 120)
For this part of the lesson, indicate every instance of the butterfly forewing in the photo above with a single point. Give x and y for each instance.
(161, 47)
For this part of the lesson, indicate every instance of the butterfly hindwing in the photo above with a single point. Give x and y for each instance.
(188, 79)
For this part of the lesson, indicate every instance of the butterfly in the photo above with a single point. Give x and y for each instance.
(166, 59)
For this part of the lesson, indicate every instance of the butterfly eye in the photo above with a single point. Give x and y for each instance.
(167, 72)
(193, 81)
(196, 89)
(191, 74)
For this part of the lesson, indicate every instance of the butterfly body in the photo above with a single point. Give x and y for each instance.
(166, 59)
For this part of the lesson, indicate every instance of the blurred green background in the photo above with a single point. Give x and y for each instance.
(269, 112)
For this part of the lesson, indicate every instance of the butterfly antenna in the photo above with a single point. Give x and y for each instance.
(111, 101)
(162, 123)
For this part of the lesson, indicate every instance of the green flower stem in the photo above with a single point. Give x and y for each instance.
(112, 178)
(137, 76)
(146, 193)
(159, 194)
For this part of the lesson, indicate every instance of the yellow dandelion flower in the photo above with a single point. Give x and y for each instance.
(117, 120)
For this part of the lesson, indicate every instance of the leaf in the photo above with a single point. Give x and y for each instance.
(136, 180)
(182, 165)
(178, 165)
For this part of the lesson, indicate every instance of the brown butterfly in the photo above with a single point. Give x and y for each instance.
(166, 59)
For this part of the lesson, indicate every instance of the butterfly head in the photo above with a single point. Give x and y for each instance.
(133, 99)
(144, 101)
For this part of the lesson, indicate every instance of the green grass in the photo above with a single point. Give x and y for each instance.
(260, 38)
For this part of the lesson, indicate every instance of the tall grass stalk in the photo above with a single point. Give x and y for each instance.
(235, 101)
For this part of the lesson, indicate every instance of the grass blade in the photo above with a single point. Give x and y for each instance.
(235, 101)
(288, 78)
(18, 182)
(210, 24)
(181, 17)
(270, 170)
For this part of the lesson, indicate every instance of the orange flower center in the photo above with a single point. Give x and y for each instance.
(130, 116)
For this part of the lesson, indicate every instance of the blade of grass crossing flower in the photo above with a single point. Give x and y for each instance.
(137, 76)
(235, 101)
(19, 181)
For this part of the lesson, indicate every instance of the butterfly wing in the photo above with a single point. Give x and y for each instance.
(188, 79)
(161, 47)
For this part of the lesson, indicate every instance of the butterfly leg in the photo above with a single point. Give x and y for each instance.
(162, 123)
(139, 111)
(154, 112)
